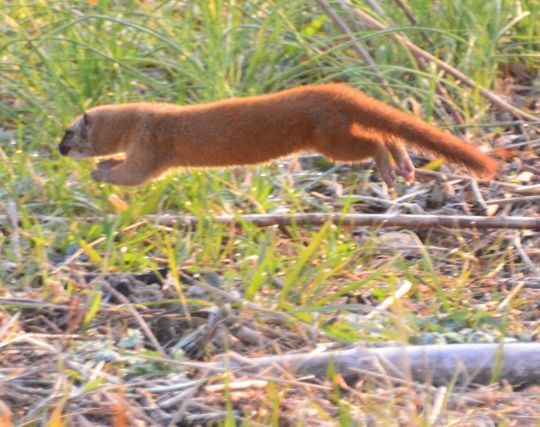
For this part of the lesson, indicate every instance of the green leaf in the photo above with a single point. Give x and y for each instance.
(292, 278)
(93, 309)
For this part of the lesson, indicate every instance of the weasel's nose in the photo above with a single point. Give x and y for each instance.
(64, 149)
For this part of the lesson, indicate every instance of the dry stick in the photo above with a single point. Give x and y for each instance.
(377, 220)
(526, 189)
(407, 12)
(414, 22)
(360, 220)
(388, 302)
(524, 257)
(438, 365)
(478, 195)
(420, 53)
(514, 292)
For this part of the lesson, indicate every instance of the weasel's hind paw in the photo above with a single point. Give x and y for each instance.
(406, 169)
(108, 164)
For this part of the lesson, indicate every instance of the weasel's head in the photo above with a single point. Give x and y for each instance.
(76, 142)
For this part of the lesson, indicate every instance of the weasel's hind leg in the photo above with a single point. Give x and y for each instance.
(353, 148)
(385, 167)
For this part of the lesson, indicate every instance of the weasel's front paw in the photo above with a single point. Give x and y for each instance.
(100, 175)
(108, 164)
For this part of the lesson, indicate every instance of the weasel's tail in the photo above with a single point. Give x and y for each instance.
(424, 137)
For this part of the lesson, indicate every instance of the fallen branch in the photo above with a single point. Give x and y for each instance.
(438, 365)
(372, 220)
(358, 220)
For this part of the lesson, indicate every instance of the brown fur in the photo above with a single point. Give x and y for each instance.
(335, 120)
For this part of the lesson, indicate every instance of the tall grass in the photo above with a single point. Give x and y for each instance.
(57, 58)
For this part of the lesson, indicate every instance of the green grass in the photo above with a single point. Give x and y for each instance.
(58, 58)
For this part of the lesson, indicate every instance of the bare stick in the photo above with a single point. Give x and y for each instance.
(387, 303)
(525, 257)
(407, 12)
(359, 220)
(438, 365)
(374, 220)
(420, 53)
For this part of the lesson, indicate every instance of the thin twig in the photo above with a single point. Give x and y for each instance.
(524, 257)
(478, 195)
(516, 188)
(388, 302)
(515, 291)
(438, 403)
(513, 200)
(407, 12)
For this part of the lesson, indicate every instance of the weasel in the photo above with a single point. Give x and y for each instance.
(335, 120)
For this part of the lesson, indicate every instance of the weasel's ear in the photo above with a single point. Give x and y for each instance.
(85, 126)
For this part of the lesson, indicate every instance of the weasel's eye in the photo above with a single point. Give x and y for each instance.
(69, 133)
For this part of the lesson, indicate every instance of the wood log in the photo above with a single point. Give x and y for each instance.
(517, 363)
